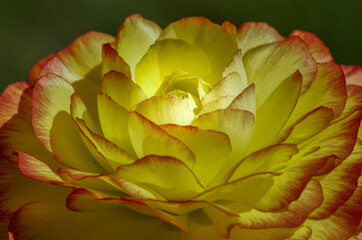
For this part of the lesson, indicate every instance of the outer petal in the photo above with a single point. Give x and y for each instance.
(328, 89)
(134, 38)
(16, 131)
(343, 223)
(164, 58)
(252, 34)
(167, 176)
(268, 65)
(111, 61)
(353, 75)
(317, 48)
(164, 110)
(17, 189)
(54, 127)
(35, 71)
(79, 59)
(217, 43)
(29, 221)
(122, 90)
(148, 138)
(210, 148)
(339, 185)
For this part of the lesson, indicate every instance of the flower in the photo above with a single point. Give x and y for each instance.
(197, 131)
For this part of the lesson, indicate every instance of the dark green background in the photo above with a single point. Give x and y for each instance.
(33, 29)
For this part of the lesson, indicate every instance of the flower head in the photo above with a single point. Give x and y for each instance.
(197, 131)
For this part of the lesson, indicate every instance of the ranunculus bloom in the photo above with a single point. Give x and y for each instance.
(197, 131)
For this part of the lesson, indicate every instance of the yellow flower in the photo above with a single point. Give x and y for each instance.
(197, 131)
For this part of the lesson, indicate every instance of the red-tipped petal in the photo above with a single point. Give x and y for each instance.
(317, 48)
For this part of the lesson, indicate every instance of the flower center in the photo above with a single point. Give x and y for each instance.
(186, 86)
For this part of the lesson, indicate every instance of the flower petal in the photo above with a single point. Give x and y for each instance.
(328, 89)
(215, 42)
(36, 69)
(122, 90)
(54, 127)
(353, 75)
(62, 223)
(232, 84)
(81, 58)
(164, 110)
(114, 122)
(245, 100)
(236, 65)
(274, 113)
(164, 58)
(254, 34)
(265, 160)
(317, 48)
(111, 61)
(134, 38)
(16, 131)
(17, 189)
(344, 221)
(237, 124)
(208, 146)
(268, 65)
(82, 200)
(167, 176)
(339, 185)
(149, 139)
(277, 225)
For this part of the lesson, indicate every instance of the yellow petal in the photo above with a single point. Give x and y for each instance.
(164, 110)
(122, 90)
(167, 176)
(114, 122)
(111, 61)
(216, 43)
(254, 34)
(245, 100)
(265, 160)
(232, 84)
(272, 115)
(134, 38)
(268, 65)
(164, 58)
(211, 148)
(148, 138)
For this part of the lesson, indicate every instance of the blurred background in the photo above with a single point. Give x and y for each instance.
(33, 29)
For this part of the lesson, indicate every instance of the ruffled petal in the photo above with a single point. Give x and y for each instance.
(167, 176)
(134, 38)
(353, 75)
(268, 65)
(111, 61)
(245, 100)
(317, 48)
(16, 131)
(122, 90)
(17, 189)
(254, 34)
(218, 45)
(164, 58)
(36, 69)
(54, 127)
(149, 139)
